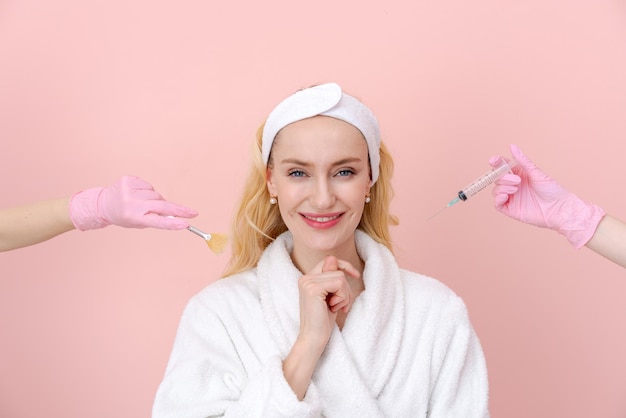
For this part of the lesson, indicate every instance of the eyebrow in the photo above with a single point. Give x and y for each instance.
(306, 164)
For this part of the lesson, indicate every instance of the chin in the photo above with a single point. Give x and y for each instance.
(330, 243)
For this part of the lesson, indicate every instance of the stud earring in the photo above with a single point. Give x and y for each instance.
(368, 198)
(273, 200)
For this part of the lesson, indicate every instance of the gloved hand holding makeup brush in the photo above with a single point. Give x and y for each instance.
(130, 202)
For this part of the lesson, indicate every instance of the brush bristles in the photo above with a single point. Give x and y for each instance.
(217, 242)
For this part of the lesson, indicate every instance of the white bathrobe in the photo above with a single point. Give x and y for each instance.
(407, 348)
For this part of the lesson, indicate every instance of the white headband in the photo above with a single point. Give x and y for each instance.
(326, 100)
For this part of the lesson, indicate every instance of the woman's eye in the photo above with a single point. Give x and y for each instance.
(296, 173)
(345, 172)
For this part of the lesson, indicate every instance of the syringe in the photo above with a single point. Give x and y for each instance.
(480, 183)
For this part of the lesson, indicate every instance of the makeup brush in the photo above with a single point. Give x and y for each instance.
(216, 242)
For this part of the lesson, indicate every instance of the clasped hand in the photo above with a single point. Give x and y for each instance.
(324, 293)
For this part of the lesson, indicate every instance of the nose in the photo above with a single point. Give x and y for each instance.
(323, 195)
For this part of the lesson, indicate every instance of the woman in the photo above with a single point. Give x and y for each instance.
(315, 318)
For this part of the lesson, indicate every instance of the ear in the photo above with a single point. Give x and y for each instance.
(271, 187)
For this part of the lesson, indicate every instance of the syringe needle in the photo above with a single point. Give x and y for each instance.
(452, 202)
(438, 212)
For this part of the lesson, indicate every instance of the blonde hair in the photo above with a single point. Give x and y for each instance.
(257, 222)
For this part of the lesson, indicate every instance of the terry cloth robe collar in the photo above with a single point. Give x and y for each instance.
(358, 360)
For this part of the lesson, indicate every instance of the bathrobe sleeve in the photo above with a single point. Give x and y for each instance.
(214, 371)
(461, 384)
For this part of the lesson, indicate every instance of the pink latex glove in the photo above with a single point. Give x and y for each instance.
(533, 197)
(131, 203)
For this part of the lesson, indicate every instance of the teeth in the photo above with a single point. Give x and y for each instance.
(322, 218)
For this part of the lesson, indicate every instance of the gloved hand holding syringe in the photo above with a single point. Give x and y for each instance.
(480, 183)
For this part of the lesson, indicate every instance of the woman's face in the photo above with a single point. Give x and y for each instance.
(320, 175)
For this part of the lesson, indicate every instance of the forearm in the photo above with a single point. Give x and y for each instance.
(609, 240)
(299, 365)
(31, 224)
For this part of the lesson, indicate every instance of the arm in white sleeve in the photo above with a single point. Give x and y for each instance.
(214, 371)
(461, 387)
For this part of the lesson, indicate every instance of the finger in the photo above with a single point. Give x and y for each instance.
(337, 305)
(340, 300)
(509, 180)
(330, 263)
(318, 267)
(133, 182)
(165, 208)
(504, 189)
(502, 195)
(496, 160)
(500, 200)
(348, 268)
(335, 301)
(153, 220)
(521, 158)
(145, 194)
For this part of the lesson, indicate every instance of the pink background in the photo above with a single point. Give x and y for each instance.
(174, 91)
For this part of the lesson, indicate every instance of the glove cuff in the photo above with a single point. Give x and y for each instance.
(84, 210)
(579, 222)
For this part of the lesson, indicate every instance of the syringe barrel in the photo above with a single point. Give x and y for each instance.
(486, 179)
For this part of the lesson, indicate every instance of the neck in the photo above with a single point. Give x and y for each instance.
(305, 259)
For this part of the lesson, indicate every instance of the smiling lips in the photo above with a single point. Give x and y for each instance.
(327, 220)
